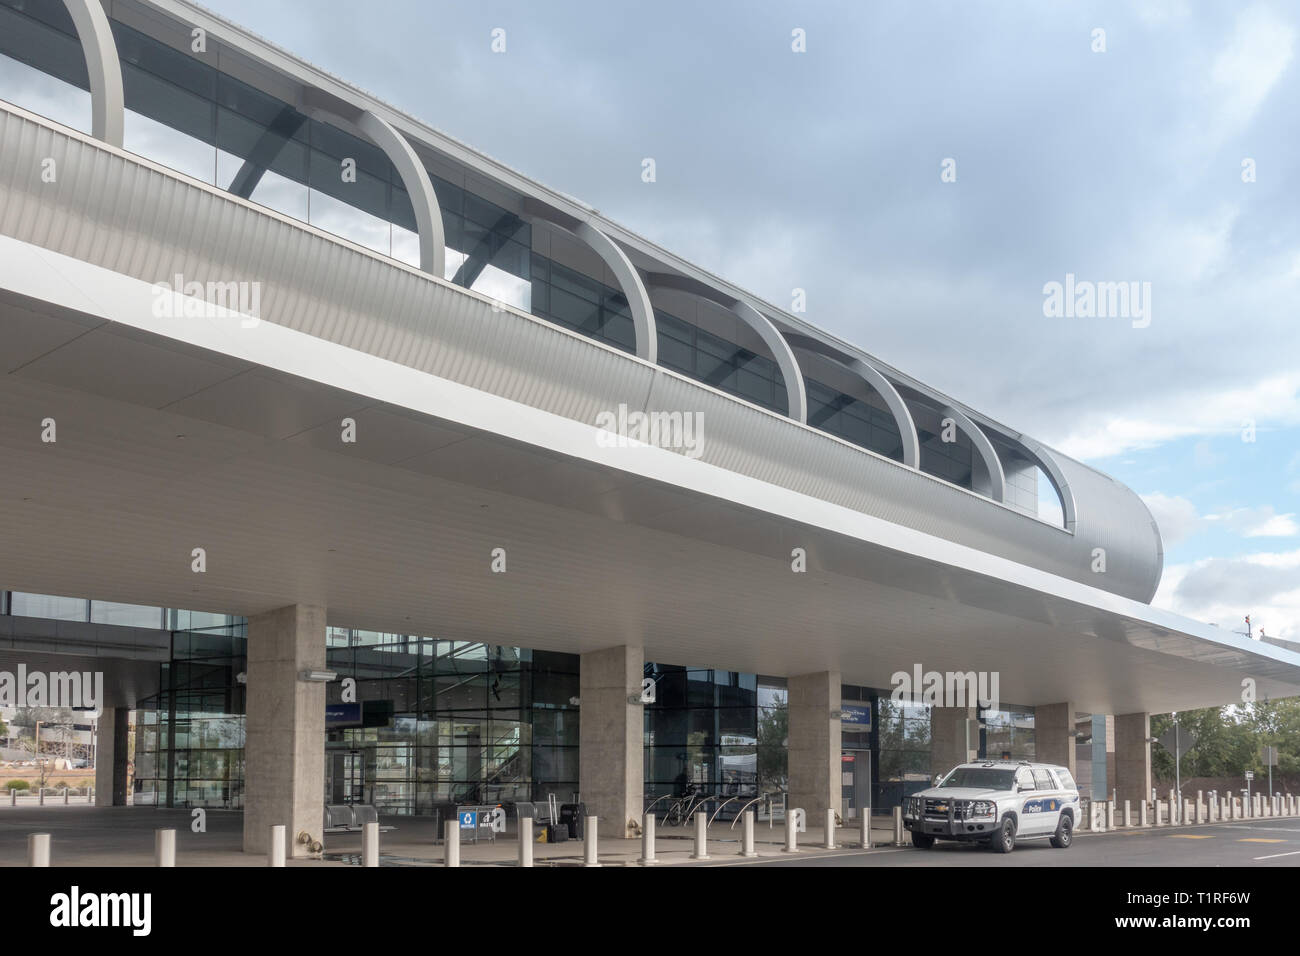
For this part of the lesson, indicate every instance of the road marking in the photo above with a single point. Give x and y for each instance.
(1259, 840)
(1190, 836)
(1274, 856)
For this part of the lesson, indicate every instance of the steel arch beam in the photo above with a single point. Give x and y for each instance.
(625, 274)
(1044, 460)
(795, 393)
(883, 387)
(981, 443)
(415, 178)
(107, 101)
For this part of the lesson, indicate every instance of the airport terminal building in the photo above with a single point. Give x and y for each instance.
(367, 469)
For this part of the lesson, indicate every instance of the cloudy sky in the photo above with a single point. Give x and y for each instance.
(1169, 157)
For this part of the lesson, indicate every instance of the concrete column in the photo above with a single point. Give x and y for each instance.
(284, 730)
(948, 742)
(611, 756)
(111, 749)
(1133, 757)
(814, 743)
(1052, 741)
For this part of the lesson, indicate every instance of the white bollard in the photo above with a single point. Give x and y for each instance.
(589, 857)
(1142, 813)
(525, 841)
(791, 833)
(1199, 815)
(1110, 814)
(648, 841)
(1175, 804)
(830, 830)
(747, 835)
(701, 836)
(451, 842)
(275, 853)
(13, 798)
(164, 847)
(898, 826)
(370, 844)
(865, 838)
(1128, 814)
(38, 849)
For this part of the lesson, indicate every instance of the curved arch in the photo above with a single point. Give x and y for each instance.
(882, 386)
(1044, 460)
(795, 394)
(625, 274)
(415, 178)
(997, 478)
(107, 102)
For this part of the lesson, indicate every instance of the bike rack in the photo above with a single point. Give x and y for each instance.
(719, 810)
(741, 812)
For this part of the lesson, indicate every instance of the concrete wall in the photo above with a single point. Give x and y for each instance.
(611, 758)
(948, 742)
(111, 749)
(1132, 757)
(814, 744)
(1053, 742)
(284, 749)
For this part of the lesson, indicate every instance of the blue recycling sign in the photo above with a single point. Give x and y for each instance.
(468, 819)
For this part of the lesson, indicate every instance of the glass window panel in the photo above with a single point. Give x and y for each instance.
(48, 606)
(43, 93)
(341, 219)
(170, 147)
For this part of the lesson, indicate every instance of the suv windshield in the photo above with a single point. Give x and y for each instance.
(980, 778)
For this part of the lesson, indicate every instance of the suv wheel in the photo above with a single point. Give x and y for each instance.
(1004, 841)
(922, 841)
(1064, 833)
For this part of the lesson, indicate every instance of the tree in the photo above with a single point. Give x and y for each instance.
(773, 731)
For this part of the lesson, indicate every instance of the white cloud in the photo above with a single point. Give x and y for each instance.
(1175, 516)
(1224, 590)
(1272, 401)
(1251, 64)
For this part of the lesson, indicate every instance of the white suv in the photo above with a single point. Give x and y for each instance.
(996, 802)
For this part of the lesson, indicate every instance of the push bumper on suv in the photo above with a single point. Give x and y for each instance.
(948, 820)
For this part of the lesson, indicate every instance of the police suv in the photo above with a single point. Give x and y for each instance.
(996, 802)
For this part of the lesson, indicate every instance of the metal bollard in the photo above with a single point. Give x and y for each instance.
(164, 847)
(90, 794)
(701, 836)
(648, 841)
(1128, 814)
(589, 857)
(451, 842)
(40, 796)
(65, 796)
(275, 853)
(370, 844)
(791, 833)
(525, 841)
(38, 849)
(829, 843)
(13, 798)
(1142, 813)
(865, 838)
(747, 835)
(898, 826)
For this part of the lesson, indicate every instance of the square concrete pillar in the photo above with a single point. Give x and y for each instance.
(1053, 735)
(1133, 757)
(284, 730)
(954, 738)
(111, 749)
(611, 753)
(814, 744)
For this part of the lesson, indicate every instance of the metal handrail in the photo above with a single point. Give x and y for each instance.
(742, 810)
(719, 810)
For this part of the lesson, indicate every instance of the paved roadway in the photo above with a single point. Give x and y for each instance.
(1270, 842)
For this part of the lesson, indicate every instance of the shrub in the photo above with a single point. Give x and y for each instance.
(61, 784)
(17, 785)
